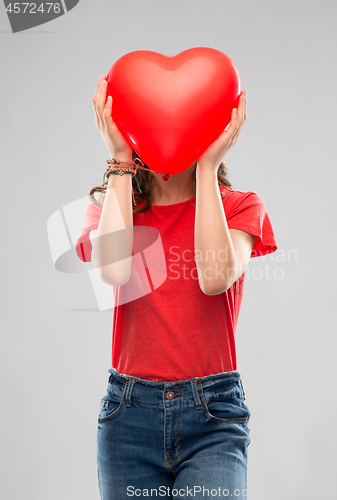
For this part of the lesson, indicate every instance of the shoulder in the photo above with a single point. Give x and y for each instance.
(93, 209)
(233, 198)
(242, 204)
(94, 206)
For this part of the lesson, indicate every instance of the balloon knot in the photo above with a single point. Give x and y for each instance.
(166, 177)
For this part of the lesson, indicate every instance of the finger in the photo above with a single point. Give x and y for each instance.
(98, 86)
(234, 123)
(107, 118)
(101, 99)
(240, 115)
(241, 109)
(236, 126)
(245, 106)
(227, 135)
(96, 96)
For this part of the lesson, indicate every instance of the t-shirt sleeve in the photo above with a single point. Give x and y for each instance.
(249, 213)
(91, 219)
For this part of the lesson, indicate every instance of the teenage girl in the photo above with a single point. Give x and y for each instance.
(173, 422)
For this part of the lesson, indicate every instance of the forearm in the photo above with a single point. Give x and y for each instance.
(214, 250)
(112, 246)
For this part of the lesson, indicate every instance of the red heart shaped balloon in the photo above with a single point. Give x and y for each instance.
(170, 109)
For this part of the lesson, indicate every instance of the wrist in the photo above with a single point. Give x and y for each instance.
(208, 170)
(127, 180)
(122, 156)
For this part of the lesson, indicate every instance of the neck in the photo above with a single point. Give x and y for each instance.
(179, 187)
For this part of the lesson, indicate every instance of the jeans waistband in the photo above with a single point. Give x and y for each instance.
(158, 393)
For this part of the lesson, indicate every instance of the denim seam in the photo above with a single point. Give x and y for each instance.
(196, 395)
(120, 405)
(128, 393)
(99, 483)
(216, 419)
(160, 405)
(242, 389)
(179, 435)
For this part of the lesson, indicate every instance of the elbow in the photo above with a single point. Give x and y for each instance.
(215, 282)
(115, 280)
(112, 273)
(214, 290)
(215, 287)
(116, 274)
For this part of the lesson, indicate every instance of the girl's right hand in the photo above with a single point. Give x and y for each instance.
(114, 141)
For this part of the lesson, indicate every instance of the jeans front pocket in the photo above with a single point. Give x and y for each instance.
(226, 407)
(109, 408)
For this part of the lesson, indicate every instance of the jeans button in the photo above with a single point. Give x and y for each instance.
(170, 395)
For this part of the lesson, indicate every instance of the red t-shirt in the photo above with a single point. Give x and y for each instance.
(177, 332)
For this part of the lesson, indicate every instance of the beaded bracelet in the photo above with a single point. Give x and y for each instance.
(122, 172)
(116, 167)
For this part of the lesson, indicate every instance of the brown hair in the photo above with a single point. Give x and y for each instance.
(146, 181)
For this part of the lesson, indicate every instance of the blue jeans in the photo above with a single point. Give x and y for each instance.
(173, 440)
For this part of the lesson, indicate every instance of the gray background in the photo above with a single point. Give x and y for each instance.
(56, 344)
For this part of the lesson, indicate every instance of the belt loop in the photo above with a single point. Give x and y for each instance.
(130, 383)
(196, 394)
(242, 389)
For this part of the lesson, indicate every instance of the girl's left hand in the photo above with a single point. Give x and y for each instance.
(214, 154)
